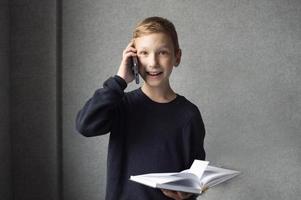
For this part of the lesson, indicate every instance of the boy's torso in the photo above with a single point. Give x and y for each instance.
(148, 137)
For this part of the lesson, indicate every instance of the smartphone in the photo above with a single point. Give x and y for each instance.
(135, 68)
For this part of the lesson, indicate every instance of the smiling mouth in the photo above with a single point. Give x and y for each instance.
(154, 74)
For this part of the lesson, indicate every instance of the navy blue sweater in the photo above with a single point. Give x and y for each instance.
(145, 136)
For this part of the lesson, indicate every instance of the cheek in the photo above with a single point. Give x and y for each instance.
(142, 61)
(161, 61)
(168, 63)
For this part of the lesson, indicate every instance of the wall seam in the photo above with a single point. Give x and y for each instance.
(59, 117)
(9, 4)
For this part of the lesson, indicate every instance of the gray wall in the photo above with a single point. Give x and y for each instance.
(5, 166)
(241, 67)
(33, 89)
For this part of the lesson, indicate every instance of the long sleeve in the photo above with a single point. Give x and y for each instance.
(196, 131)
(97, 115)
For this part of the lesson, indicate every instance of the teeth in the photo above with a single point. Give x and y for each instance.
(154, 73)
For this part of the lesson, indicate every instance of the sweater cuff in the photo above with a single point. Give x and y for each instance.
(121, 82)
(115, 83)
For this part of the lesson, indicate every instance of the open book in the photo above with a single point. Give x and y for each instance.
(197, 179)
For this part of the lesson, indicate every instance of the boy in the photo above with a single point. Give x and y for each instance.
(152, 129)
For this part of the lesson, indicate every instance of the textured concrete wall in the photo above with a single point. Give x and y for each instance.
(33, 100)
(241, 66)
(5, 168)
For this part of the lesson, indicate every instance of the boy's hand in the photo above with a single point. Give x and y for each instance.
(176, 195)
(125, 69)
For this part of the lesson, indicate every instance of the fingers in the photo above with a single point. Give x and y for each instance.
(176, 195)
(130, 44)
(129, 49)
(127, 52)
(183, 195)
(124, 70)
(170, 194)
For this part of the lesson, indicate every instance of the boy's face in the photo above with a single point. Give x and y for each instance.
(157, 58)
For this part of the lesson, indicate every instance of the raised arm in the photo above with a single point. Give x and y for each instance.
(97, 115)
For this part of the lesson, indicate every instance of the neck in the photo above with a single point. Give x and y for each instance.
(159, 94)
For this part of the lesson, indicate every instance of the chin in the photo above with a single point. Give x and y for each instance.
(154, 83)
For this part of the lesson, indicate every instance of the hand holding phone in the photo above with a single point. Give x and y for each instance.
(129, 69)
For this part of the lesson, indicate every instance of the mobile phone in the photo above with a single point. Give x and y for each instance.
(135, 68)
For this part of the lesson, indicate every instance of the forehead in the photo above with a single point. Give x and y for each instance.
(154, 40)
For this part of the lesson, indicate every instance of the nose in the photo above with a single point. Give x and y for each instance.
(153, 60)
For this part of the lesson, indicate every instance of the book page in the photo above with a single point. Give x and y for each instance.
(198, 167)
(214, 175)
(159, 177)
(185, 185)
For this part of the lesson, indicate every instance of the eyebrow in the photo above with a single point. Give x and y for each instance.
(161, 47)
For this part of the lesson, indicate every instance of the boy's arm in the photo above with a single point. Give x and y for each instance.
(195, 129)
(198, 129)
(96, 117)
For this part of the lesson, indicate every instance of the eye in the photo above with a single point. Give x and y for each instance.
(164, 52)
(143, 53)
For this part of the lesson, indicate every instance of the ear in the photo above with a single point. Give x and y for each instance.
(178, 57)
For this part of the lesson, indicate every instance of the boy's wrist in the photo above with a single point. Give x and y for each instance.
(123, 76)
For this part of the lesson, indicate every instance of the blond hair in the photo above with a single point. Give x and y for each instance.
(157, 25)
